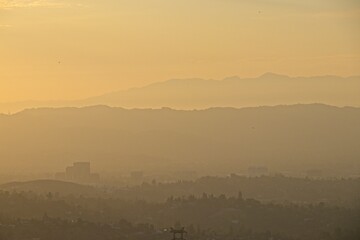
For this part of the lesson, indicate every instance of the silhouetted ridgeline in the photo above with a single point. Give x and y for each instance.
(340, 192)
(46, 186)
(277, 189)
(283, 138)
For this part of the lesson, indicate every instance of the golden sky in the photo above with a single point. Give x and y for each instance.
(75, 48)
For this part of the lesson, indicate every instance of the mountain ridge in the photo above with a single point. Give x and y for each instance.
(106, 107)
(196, 93)
(215, 140)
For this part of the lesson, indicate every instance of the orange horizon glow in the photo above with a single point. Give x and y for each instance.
(66, 50)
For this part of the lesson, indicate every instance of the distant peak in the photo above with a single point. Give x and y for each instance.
(232, 78)
(273, 75)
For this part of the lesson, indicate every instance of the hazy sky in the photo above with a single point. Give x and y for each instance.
(75, 48)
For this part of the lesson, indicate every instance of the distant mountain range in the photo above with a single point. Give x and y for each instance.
(216, 140)
(269, 89)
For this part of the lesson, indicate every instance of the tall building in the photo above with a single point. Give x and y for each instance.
(79, 172)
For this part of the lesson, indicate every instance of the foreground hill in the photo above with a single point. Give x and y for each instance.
(24, 216)
(218, 140)
(196, 93)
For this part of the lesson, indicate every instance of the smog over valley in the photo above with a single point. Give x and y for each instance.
(179, 120)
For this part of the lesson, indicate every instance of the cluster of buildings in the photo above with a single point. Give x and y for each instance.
(138, 177)
(258, 171)
(78, 172)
